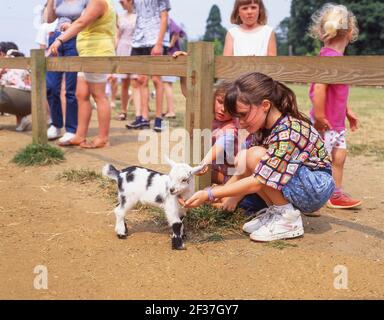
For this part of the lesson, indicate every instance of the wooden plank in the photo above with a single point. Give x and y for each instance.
(150, 65)
(15, 63)
(357, 70)
(199, 113)
(38, 95)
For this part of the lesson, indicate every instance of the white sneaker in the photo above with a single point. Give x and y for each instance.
(261, 217)
(282, 225)
(53, 132)
(24, 123)
(66, 137)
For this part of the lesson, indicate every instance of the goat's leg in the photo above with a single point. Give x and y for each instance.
(120, 211)
(183, 234)
(172, 213)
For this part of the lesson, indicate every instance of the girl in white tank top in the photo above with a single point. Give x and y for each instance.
(251, 36)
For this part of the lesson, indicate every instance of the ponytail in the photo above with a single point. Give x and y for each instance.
(285, 101)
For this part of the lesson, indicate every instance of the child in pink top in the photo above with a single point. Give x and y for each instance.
(224, 139)
(336, 27)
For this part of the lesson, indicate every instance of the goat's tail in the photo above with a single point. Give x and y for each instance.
(111, 172)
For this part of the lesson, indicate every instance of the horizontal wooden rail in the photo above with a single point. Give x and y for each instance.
(15, 63)
(357, 70)
(150, 65)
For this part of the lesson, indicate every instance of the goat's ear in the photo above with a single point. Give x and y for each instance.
(169, 161)
(197, 169)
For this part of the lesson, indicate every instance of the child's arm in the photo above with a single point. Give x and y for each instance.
(240, 188)
(183, 80)
(272, 46)
(210, 157)
(353, 120)
(228, 45)
(319, 98)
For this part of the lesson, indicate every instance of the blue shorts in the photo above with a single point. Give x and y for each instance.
(309, 190)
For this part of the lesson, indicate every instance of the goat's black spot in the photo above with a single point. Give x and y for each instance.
(129, 177)
(123, 200)
(159, 199)
(150, 178)
(120, 184)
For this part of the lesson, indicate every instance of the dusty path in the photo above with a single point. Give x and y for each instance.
(68, 227)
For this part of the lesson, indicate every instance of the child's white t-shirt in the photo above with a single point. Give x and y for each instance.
(251, 43)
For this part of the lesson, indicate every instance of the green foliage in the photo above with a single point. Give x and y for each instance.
(206, 223)
(280, 245)
(80, 176)
(215, 32)
(38, 155)
(370, 20)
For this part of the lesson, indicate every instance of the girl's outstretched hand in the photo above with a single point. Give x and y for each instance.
(203, 171)
(199, 198)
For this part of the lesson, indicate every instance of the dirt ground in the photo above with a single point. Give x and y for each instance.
(68, 228)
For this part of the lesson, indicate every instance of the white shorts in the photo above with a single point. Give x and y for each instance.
(334, 139)
(93, 77)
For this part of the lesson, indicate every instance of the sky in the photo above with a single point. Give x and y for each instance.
(19, 18)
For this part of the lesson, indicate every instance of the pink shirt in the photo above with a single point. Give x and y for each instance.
(337, 97)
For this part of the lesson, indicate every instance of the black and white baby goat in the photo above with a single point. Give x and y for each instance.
(137, 184)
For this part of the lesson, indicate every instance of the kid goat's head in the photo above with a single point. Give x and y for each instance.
(181, 176)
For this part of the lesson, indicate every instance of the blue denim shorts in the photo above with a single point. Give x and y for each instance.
(309, 190)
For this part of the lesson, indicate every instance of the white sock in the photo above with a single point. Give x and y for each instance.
(285, 207)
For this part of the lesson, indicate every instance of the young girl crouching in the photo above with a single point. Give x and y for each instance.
(286, 164)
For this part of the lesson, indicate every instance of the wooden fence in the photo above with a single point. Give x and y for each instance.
(201, 68)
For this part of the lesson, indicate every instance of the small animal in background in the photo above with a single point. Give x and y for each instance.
(138, 184)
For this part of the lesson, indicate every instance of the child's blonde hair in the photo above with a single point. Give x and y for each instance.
(333, 20)
(235, 19)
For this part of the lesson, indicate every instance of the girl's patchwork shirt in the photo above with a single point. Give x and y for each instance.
(290, 144)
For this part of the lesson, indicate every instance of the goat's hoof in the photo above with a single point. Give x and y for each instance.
(177, 244)
(122, 236)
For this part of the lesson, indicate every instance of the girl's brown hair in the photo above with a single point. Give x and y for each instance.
(253, 88)
(235, 19)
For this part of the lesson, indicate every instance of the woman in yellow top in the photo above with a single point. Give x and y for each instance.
(96, 29)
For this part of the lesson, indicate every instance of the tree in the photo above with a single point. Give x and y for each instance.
(369, 14)
(282, 37)
(214, 31)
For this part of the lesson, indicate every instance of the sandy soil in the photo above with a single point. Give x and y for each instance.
(68, 227)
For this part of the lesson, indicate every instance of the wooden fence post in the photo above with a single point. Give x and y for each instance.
(199, 113)
(38, 95)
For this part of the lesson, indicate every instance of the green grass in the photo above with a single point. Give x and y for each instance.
(206, 223)
(38, 155)
(84, 176)
(280, 245)
(80, 175)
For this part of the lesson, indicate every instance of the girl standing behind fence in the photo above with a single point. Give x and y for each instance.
(252, 36)
(289, 166)
(66, 12)
(336, 27)
(126, 23)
